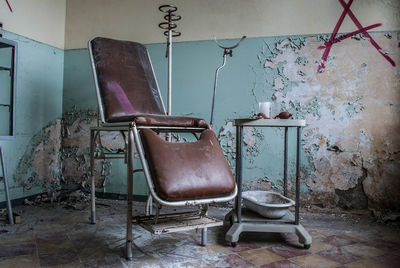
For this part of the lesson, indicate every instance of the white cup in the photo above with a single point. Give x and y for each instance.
(265, 108)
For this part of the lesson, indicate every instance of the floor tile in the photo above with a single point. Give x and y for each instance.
(107, 262)
(339, 255)
(388, 259)
(366, 263)
(20, 261)
(233, 260)
(243, 246)
(87, 240)
(50, 242)
(383, 245)
(363, 250)
(71, 265)
(317, 246)
(336, 241)
(281, 264)
(7, 251)
(314, 261)
(316, 233)
(17, 239)
(260, 256)
(289, 252)
(58, 258)
(356, 237)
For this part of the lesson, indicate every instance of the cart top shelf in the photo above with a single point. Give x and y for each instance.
(270, 122)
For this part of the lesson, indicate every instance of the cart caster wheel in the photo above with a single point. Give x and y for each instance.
(307, 246)
(233, 244)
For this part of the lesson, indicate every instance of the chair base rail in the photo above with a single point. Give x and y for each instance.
(176, 222)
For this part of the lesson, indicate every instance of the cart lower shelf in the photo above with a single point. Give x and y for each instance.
(251, 222)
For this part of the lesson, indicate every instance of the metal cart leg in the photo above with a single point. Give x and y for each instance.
(297, 212)
(128, 246)
(285, 153)
(238, 171)
(9, 209)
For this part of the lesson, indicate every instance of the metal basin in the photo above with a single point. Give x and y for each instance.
(267, 203)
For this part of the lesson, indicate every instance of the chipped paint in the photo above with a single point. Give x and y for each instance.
(348, 146)
(41, 164)
(346, 142)
(75, 148)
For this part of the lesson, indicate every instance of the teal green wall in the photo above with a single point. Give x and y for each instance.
(38, 103)
(341, 160)
(194, 65)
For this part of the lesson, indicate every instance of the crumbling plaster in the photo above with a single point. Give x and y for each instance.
(351, 110)
(350, 146)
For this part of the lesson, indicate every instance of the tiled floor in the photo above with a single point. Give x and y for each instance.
(53, 236)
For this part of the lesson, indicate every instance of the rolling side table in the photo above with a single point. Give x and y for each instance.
(244, 220)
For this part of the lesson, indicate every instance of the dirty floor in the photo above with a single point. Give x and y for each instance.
(55, 235)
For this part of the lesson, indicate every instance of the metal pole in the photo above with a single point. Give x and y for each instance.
(9, 209)
(128, 246)
(285, 152)
(239, 145)
(170, 72)
(297, 215)
(92, 185)
(215, 88)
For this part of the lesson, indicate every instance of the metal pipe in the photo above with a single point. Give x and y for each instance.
(215, 88)
(285, 153)
(238, 171)
(204, 236)
(170, 72)
(297, 212)
(9, 208)
(227, 51)
(92, 184)
(128, 246)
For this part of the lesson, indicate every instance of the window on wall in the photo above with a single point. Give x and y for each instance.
(8, 53)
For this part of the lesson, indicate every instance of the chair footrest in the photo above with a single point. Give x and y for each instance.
(177, 222)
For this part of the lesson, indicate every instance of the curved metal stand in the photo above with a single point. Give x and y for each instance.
(227, 51)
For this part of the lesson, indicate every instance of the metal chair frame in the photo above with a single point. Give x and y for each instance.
(130, 133)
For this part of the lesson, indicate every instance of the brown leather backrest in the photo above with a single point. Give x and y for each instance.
(188, 170)
(126, 80)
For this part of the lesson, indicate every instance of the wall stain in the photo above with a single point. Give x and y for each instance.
(351, 132)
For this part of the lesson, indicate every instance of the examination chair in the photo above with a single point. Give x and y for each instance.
(177, 174)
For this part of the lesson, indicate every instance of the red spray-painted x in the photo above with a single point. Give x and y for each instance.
(9, 6)
(333, 39)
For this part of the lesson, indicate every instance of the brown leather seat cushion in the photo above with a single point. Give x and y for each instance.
(188, 171)
(125, 78)
(163, 120)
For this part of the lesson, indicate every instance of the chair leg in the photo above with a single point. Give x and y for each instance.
(92, 184)
(149, 205)
(128, 246)
(204, 236)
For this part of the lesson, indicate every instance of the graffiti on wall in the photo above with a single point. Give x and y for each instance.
(361, 30)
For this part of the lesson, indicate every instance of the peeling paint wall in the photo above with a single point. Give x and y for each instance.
(350, 145)
(32, 157)
(351, 110)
